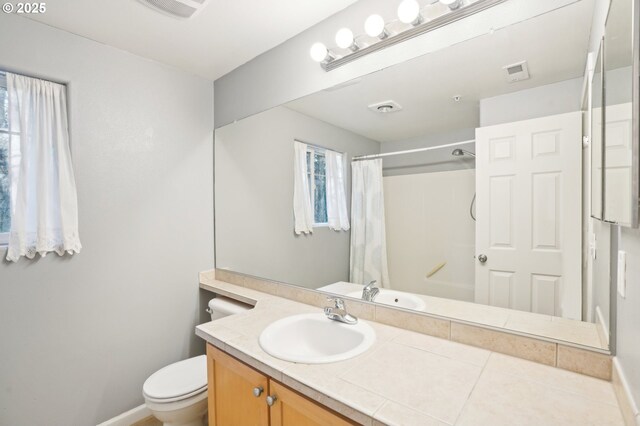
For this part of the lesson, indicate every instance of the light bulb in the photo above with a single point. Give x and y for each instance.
(319, 52)
(409, 12)
(453, 4)
(344, 38)
(374, 26)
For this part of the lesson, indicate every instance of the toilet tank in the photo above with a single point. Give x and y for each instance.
(221, 307)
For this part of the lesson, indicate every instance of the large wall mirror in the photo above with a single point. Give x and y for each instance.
(455, 181)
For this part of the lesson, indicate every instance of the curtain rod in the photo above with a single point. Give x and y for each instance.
(410, 151)
(318, 146)
(4, 71)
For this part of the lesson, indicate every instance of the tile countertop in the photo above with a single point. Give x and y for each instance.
(407, 378)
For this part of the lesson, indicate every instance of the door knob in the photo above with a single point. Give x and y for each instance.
(482, 258)
(257, 391)
(271, 399)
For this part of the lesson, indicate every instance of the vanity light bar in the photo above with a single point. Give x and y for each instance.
(329, 62)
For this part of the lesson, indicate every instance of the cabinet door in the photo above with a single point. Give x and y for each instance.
(293, 409)
(231, 392)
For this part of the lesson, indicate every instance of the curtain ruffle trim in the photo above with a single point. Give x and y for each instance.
(31, 244)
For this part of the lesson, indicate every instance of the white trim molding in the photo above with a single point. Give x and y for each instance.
(132, 416)
(623, 393)
(603, 329)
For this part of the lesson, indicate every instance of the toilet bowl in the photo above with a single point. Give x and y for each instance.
(177, 394)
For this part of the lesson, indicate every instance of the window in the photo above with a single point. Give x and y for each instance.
(38, 205)
(319, 197)
(5, 156)
(316, 172)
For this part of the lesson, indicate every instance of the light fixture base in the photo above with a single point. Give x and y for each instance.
(455, 5)
(433, 24)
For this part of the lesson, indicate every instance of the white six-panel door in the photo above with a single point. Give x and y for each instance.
(529, 185)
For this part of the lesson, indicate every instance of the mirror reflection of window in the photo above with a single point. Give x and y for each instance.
(316, 167)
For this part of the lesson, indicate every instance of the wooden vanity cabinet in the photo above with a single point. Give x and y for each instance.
(291, 409)
(238, 397)
(231, 391)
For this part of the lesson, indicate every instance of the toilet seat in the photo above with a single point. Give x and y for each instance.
(179, 381)
(174, 399)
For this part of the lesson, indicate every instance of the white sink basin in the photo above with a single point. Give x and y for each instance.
(315, 339)
(399, 299)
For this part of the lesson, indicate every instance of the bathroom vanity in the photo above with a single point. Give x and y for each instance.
(480, 240)
(406, 377)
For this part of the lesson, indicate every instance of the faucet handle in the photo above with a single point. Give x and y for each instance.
(337, 302)
(338, 312)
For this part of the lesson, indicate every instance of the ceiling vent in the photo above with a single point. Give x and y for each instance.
(183, 9)
(385, 107)
(517, 72)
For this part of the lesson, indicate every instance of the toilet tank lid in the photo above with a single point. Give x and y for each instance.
(177, 379)
(226, 306)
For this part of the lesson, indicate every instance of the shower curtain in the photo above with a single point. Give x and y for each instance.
(368, 259)
(337, 215)
(302, 208)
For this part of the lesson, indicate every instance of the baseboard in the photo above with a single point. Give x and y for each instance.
(130, 417)
(623, 393)
(603, 331)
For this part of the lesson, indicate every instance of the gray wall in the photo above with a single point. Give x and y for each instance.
(556, 98)
(81, 334)
(628, 312)
(254, 199)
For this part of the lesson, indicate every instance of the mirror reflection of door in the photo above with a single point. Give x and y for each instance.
(529, 215)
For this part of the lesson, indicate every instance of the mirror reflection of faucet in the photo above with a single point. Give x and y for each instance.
(370, 291)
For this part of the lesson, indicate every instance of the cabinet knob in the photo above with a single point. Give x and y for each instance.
(271, 399)
(257, 391)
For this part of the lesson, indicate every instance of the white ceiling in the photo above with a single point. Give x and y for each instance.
(225, 35)
(554, 44)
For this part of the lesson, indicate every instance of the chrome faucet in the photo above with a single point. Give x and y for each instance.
(370, 291)
(338, 312)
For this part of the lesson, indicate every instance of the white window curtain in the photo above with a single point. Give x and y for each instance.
(368, 260)
(44, 203)
(337, 216)
(302, 209)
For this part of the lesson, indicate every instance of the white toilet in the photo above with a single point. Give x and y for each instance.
(177, 394)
